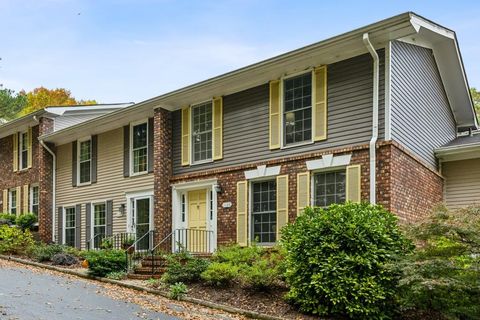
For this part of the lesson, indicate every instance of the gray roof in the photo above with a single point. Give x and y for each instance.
(464, 140)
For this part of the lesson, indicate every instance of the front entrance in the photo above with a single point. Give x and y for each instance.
(141, 221)
(197, 220)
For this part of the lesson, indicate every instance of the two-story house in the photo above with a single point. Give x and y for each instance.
(363, 116)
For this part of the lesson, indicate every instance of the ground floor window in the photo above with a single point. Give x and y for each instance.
(70, 226)
(264, 214)
(99, 223)
(329, 188)
(12, 201)
(34, 196)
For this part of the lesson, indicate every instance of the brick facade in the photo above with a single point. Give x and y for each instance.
(398, 188)
(45, 164)
(162, 173)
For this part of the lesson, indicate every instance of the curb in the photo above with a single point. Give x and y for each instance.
(213, 305)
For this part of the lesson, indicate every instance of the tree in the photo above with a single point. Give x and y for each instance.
(42, 97)
(476, 100)
(11, 103)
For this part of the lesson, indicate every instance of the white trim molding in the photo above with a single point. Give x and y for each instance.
(262, 171)
(329, 161)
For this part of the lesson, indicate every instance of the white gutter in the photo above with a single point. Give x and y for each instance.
(373, 141)
(54, 168)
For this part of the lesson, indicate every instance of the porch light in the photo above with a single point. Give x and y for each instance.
(217, 188)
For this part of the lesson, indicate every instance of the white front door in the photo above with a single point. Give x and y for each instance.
(141, 221)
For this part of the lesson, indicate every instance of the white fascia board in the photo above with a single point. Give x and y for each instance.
(262, 172)
(329, 161)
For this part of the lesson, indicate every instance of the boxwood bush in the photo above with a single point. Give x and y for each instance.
(183, 267)
(103, 262)
(339, 260)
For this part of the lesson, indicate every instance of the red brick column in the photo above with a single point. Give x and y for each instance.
(45, 165)
(162, 170)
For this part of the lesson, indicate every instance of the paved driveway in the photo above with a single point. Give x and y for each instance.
(33, 293)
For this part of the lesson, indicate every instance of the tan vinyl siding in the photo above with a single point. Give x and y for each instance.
(111, 184)
(462, 183)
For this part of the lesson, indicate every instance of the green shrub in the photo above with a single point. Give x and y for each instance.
(103, 262)
(14, 240)
(64, 259)
(44, 252)
(220, 274)
(339, 260)
(9, 217)
(116, 275)
(237, 255)
(178, 290)
(261, 275)
(182, 267)
(443, 274)
(26, 221)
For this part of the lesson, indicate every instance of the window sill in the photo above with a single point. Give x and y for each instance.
(22, 170)
(201, 162)
(138, 174)
(299, 144)
(84, 184)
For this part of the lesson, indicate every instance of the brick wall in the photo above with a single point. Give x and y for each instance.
(162, 173)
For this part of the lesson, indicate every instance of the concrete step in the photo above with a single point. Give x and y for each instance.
(135, 276)
(148, 270)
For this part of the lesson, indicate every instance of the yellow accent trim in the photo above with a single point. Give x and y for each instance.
(29, 147)
(25, 199)
(217, 143)
(353, 183)
(282, 203)
(19, 197)
(5, 201)
(274, 115)
(15, 152)
(242, 213)
(303, 191)
(186, 136)
(319, 105)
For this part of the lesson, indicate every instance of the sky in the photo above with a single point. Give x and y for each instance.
(132, 50)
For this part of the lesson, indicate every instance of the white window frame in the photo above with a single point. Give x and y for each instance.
(192, 156)
(30, 199)
(10, 201)
(92, 219)
(250, 210)
(64, 226)
(325, 170)
(79, 142)
(133, 124)
(20, 150)
(282, 109)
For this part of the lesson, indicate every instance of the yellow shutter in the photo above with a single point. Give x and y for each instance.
(217, 128)
(282, 203)
(5, 201)
(29, 147)
(303, 191)
(275, 114)
(353, 187)
(242, 213)
(15, 152)
(320, 103)
(19, 197)
(186, 136)
(25, 199)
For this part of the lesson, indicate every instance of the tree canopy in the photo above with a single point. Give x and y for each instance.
(476, 100)
(11, 103)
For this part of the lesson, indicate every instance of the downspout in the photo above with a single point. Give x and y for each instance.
(373, 140)
(54, 168)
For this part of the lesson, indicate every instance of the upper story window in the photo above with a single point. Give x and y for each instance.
(139, 149)
(297, 109)
(202, 132)
(85, 161)
(12, 201)
(329, 188)
(23, 150)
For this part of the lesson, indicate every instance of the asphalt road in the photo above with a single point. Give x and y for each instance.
(25, 294)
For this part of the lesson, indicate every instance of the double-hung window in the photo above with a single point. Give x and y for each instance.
(85, 161)
(23, 150)
(99, 223)
(69, 228)
(264, 211)
(12, 201)
(202, 132)
(297, 109)
(329, 188)
(139, 148)
(34, 200)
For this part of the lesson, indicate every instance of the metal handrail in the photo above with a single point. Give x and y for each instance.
(89, 242)
(133, 246)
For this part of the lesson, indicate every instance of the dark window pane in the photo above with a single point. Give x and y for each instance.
(329, 188)
(297, 98)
